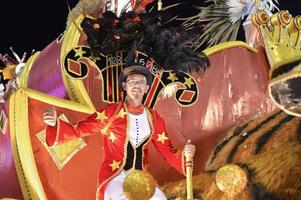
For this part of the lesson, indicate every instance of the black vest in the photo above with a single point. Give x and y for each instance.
(134, 156)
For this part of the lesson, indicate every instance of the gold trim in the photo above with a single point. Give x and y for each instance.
(126, 141)
(284, 62)
(108, 69)
(69, 69)
(151, 124)
(124, 154)
(188, 100)
(20, 138)
(112, 80)
(227, 45)
(67, 104)
(283, 77)
(97, 192)
(54, 148)
(70, 40)
(15, 150)
(83, 94)
(75, 88)
(25, 73)
(23, 155)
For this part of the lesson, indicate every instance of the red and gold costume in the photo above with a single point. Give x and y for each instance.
(112, 122)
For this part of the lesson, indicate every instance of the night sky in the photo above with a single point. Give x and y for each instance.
(32, 24)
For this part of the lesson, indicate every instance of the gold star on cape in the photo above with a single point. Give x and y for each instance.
(121, 113)
(115, 165)
(162, 137)
(188, 82)
(101, 116)
(112, 137)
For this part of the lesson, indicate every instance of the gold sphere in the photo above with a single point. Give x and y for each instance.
(231, 179)
(139, 185)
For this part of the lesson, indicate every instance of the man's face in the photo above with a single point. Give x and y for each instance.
(135, 86)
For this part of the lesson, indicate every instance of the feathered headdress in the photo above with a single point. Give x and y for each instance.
(147, 32)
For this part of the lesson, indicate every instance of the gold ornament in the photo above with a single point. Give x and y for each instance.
(9, 72)
(139, 185)
(282, 42)
(281, 37)
(231, 179)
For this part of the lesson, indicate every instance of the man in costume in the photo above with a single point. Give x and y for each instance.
(128, 128)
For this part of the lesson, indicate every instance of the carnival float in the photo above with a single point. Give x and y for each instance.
(242, 112)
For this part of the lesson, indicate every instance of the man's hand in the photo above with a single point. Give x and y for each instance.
(189, 149)
(50, 116)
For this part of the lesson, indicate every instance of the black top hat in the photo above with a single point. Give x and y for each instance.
(135, 69)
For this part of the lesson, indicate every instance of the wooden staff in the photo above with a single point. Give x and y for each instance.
(189, 169)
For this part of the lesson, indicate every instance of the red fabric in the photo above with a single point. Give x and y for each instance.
(115, 151)
(136, 110)
(77, 179)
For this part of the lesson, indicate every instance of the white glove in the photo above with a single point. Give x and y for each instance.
(50, 116)
(189, 149)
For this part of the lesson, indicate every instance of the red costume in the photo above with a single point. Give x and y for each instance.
(112, 123)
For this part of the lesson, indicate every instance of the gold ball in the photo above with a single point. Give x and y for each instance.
(139, 185)
(231, 179)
